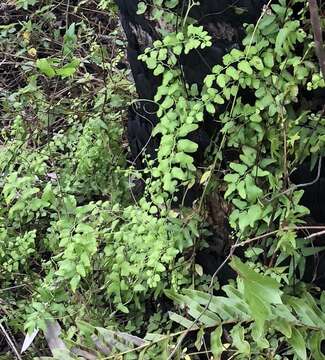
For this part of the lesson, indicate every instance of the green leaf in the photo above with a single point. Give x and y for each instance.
(308, 251)
(227, 60)
(280, 40)
(216, 343)
(222, 80)
(283, 326)
(256, 117)
(232, 72)
(253, 252)
(209, 79)
(218, 99)
(231, 188)
(239, 168)
(236, 54)
(210, 108)
(307, 311)
(183, 159)
(260, 308)
(266, 20)
(205, 177)
(81, 270)
(244, 219)
(257, 63)
(315, 341)
(266, 288)
(255, 213)
(187, 146)
(169, 185)
(258, 335)
(268, 60)
(227, 308)
(199, 339)
(199, 269)
(249, 155)
(139, 288)
(238, 337)
(241, 204)
(178, 173)
(142, 7)
(297, 341)
(167, 103)
(158, 70)
(84, 228)
(241, 189)
(231, 178)
(245, 67)
(70, 39)
(185, 129)
(207, 317)
(68, 69)
(75, 282)
(151, 63)
(253, 191)
(181, 320)
(45, 67)
(122, 308)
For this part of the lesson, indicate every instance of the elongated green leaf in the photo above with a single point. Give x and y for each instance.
(297, 341)
(216, 343)
(308, 251)
(260, 309)
(280, 39)
(227, 308)
(205, 316)
(315, 341)
(181, 320)
(283, 326)
(265, 287)
(241, 189)
(305, 312)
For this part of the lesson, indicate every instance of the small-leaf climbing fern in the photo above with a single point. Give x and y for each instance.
(179, 113)
(269, 129)
(157, 240)
(265, 124)
(144, 244)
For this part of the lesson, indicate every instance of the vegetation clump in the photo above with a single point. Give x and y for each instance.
(98, 273)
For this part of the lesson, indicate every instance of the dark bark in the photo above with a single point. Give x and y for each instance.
(318, 34)
(222, 20)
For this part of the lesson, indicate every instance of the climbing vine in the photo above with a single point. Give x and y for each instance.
(179, 115)
(271, 132)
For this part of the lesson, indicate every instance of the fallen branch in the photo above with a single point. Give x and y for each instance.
(10, 342)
